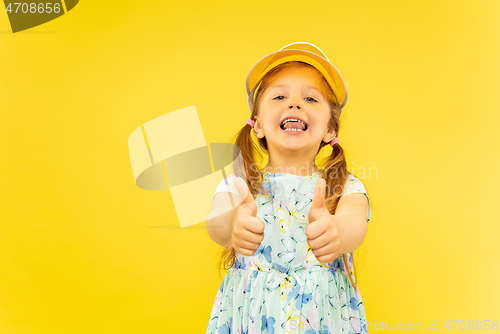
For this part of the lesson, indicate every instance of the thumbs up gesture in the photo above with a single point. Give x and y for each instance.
(247, 230)
(322, 231)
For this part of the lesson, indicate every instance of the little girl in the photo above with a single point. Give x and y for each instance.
(289, 242)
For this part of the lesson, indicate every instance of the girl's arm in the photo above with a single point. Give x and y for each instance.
(352, 213)
(219, 220)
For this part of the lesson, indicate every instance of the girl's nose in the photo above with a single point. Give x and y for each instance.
(294, 104)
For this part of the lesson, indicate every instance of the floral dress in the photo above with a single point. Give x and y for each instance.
(282, 288)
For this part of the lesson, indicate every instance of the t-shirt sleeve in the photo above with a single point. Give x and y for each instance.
(226, 185)
(354, 186)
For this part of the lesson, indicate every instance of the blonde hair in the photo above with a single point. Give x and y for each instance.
(334, 170)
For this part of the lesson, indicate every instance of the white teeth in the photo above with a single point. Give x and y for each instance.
(292, 119)
(294, 129)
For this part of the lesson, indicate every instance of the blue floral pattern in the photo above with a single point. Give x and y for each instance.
(282, 287)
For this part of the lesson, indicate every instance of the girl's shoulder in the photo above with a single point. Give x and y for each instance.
(353, 185)
(227, 184)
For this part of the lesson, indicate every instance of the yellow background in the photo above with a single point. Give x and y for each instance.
(84, 250)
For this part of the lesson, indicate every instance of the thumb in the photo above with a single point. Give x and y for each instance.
(318, 203)
(245, 195)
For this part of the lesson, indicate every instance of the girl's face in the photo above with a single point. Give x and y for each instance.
(294, 92)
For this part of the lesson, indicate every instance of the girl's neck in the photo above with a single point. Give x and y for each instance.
(291, 167)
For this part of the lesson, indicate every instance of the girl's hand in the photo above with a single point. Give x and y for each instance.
(247, 230)
(322, 231)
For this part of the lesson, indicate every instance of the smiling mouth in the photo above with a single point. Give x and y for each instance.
(293, 125)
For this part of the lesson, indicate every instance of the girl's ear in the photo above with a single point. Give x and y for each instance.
(257, 128)
(329, 135)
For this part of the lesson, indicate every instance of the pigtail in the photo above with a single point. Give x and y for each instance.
(336, 174)
(247, 167)
(227, 259)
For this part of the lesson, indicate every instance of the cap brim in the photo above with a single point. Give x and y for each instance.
(329, 71)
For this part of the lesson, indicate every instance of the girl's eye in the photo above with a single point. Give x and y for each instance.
(308, 99)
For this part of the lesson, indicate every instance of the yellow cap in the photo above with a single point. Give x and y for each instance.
(298, 51)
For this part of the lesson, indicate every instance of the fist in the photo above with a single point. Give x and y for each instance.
(322, 233)
(247, 230)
